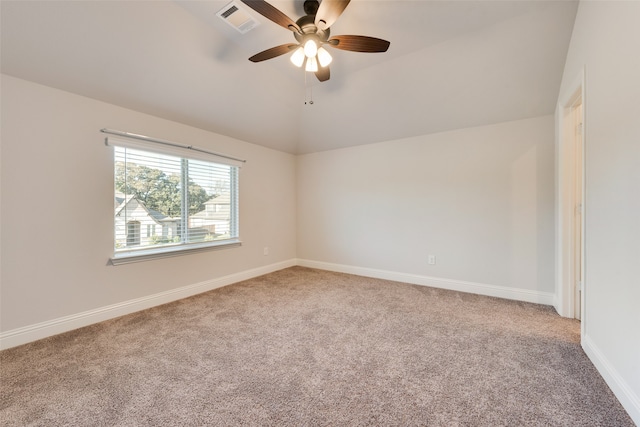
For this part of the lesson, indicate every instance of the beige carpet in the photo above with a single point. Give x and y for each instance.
(306, 347)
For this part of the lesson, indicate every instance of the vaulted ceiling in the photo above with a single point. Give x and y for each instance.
(451, 64)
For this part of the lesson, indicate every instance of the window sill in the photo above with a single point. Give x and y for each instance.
(151, 254)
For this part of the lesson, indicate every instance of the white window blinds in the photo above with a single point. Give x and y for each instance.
(170, 199)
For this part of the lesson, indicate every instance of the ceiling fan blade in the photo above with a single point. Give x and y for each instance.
(323, 73)
(359, 43)
(273, 52)
(270, 12)
(329, 11)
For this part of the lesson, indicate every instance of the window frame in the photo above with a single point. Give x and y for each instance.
(184, 153)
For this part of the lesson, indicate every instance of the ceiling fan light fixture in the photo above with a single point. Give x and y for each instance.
(311, 32)
(324, 58)
(312, 65)
(310, 48)
(298, 57)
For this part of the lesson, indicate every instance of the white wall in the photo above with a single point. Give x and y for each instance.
(57, 209)
(480, 199)
(606, 44)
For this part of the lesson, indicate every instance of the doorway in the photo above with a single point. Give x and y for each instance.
(571, 282)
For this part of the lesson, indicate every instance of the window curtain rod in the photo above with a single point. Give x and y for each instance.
(164, 142)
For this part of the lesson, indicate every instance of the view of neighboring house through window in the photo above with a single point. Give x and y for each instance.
(163, 201)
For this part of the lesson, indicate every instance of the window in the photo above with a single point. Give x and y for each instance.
(183, 200)
(133, 233)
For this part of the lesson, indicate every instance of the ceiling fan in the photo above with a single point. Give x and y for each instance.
(312, 32)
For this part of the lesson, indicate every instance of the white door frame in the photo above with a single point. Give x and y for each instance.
(565, 201)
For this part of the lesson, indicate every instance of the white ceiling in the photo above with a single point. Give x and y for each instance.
(451, 64)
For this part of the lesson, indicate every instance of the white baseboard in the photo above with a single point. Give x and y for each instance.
(630, 401)
(546, 298)
(49, 328)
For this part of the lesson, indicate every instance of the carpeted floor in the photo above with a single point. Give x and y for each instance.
(304, 347)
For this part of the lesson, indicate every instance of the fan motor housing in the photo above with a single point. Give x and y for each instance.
(308, 26)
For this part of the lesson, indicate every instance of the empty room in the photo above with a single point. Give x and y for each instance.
(333, 212)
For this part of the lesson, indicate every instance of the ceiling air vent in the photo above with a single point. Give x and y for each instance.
(233, 15)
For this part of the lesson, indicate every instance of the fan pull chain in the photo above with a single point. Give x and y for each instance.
(310, 86)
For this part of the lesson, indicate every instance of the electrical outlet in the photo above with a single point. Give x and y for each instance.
(432, 260)
(266, 251)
